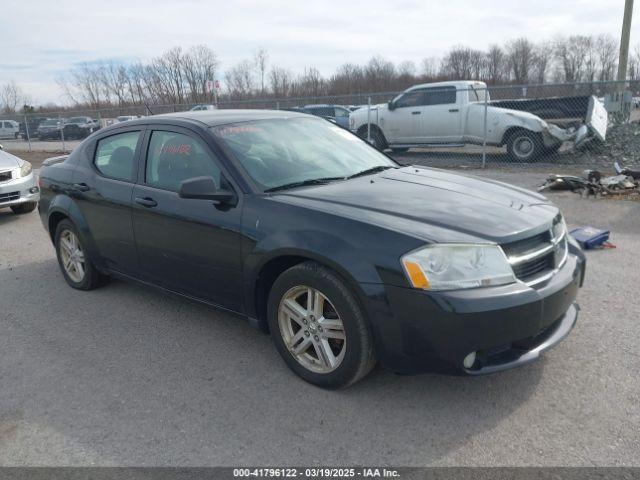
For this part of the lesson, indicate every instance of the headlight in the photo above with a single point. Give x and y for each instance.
(25, 169)
(456, 266)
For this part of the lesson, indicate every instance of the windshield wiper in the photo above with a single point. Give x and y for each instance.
(369, 171)
(304, 183)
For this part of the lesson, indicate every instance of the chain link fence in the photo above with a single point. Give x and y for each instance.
(450, 125)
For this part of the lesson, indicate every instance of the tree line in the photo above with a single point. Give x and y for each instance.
(179, 76)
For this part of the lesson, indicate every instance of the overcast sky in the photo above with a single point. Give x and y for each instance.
(41, 40)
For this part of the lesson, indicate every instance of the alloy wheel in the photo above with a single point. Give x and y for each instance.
(72, 256)
(312, 329)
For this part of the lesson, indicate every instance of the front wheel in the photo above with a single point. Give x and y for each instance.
(318, 327)
(525, 146)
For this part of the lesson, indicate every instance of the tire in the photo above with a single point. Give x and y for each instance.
(400, 150)
(377, 138)
(23, 208)
(17, 135)
(346, 333)
(90, 278)
(525, 146)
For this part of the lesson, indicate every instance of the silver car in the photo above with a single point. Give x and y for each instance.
(18, 186)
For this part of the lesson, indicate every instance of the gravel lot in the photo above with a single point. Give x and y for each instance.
(126, 375)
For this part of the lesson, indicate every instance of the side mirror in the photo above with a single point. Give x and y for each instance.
(391, 106)
(204, 188)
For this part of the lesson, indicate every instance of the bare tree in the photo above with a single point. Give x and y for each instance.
(11, 96)
(607, 51)
(280, 80)
(261, 59)
(497, 70)
(571, 53)
(541, 62)
(430, 67)
(521, 56)
(239, 80)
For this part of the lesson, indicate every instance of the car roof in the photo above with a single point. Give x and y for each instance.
(214, 118)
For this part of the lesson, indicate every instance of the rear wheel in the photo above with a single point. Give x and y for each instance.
(525, 146)
(76, 266)
(23, 208)
(318, 327)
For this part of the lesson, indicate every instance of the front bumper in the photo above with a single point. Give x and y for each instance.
(505, 326)
(20, 190)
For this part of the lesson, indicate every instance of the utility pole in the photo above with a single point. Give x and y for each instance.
(623, 58)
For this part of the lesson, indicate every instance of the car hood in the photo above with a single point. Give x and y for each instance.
(433, 205)
(8, 161)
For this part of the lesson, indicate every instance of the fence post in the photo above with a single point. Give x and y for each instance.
(369, 119)
(64, 149)
(278, 105)
(26, 129)
(484, 137)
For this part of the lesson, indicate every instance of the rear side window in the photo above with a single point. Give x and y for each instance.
(115, 156)
(341, 112)
(439, 95)
(173, 158)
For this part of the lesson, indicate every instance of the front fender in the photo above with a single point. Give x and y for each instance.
(330, 250)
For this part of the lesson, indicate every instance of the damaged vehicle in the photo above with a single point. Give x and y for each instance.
(310, 233)
(453, 114)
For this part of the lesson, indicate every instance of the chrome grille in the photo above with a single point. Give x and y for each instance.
(536, 258)
(9, 197)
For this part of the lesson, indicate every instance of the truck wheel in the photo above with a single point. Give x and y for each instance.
(377, 138)
(525, 146)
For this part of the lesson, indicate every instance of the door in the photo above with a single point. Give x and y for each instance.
(103, 185)
(402, 124)
(187, 245)
(441, 115)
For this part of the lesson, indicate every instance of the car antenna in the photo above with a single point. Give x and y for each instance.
(148, 109)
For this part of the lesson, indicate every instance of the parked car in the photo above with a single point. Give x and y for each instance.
(9, 129)
(453, 113)
(18, 188)
(337, 113)
(126, 118)
(199, 108)
(51, 128)
(33, 124)
(345, 256)
(80, 127)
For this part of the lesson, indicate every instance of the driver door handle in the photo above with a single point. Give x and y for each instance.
(453, 110)
(416, 112)
(146, 202)
(81, 187)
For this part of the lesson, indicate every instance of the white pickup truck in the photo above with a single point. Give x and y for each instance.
(453, 113)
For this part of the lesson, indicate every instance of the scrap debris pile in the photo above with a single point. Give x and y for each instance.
(623, 142)
(625, 183)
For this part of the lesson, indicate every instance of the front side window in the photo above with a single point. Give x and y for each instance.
(410, 99)
(280, 152)
(173, 158)
(115, 156)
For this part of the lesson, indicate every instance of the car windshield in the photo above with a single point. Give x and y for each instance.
(281, 152)
(78, 120)
(50, 123)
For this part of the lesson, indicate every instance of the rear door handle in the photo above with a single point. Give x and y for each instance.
(81, 187)
(453, 110)
(416, 113)
(146, 202)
